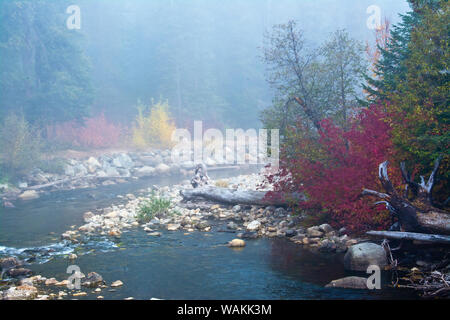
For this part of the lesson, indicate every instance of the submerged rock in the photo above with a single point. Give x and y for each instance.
(8, 205)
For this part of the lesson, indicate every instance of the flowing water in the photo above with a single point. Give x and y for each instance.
(173, 266)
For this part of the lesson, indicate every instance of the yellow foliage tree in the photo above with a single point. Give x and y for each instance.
(153, 126)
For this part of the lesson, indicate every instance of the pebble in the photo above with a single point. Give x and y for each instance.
(117, 283)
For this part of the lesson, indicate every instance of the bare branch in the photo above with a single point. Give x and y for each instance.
(375, 193)
(384, 178)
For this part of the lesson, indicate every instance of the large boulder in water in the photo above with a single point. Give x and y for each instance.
(360, 256)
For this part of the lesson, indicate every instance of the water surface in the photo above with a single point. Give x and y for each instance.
(175, 265)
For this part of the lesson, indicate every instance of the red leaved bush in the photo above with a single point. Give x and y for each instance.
(96, 132)
(342, 164)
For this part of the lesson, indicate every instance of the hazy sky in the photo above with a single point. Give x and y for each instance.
(204, 55)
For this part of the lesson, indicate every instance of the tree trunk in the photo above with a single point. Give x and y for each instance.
(430, 238)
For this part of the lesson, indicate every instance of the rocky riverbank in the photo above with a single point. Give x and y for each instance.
(242, 222)
(89, 172)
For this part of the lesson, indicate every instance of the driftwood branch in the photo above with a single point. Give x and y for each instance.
(417, 214)
(430, 238)
(367, 192)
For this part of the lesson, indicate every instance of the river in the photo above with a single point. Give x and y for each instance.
(175, 265)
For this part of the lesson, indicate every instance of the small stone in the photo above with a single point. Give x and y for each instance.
(342, 231)
(236, 243)
(29, 195)
(63, 283)
(314, 232)
(254, 225)
(325, 228)
(51, 282)
(72, 256)
(80, 294)
(290, 233)
(116, 284)
(173, 227)
(232, 226)
(236, 208)
(87, 217)
(115, 233)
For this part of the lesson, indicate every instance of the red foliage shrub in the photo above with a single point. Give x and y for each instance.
(97, 132)
(344, 163)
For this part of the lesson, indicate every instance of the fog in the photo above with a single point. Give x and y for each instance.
(203, 56)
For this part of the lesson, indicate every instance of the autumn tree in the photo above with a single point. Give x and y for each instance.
(153, 126)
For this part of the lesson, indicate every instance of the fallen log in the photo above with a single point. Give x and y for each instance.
(234, 197)
(396, 235)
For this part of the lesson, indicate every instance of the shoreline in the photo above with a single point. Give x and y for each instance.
(242, 222)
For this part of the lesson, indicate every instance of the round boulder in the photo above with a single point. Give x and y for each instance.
(236, 243)
(360, 256)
